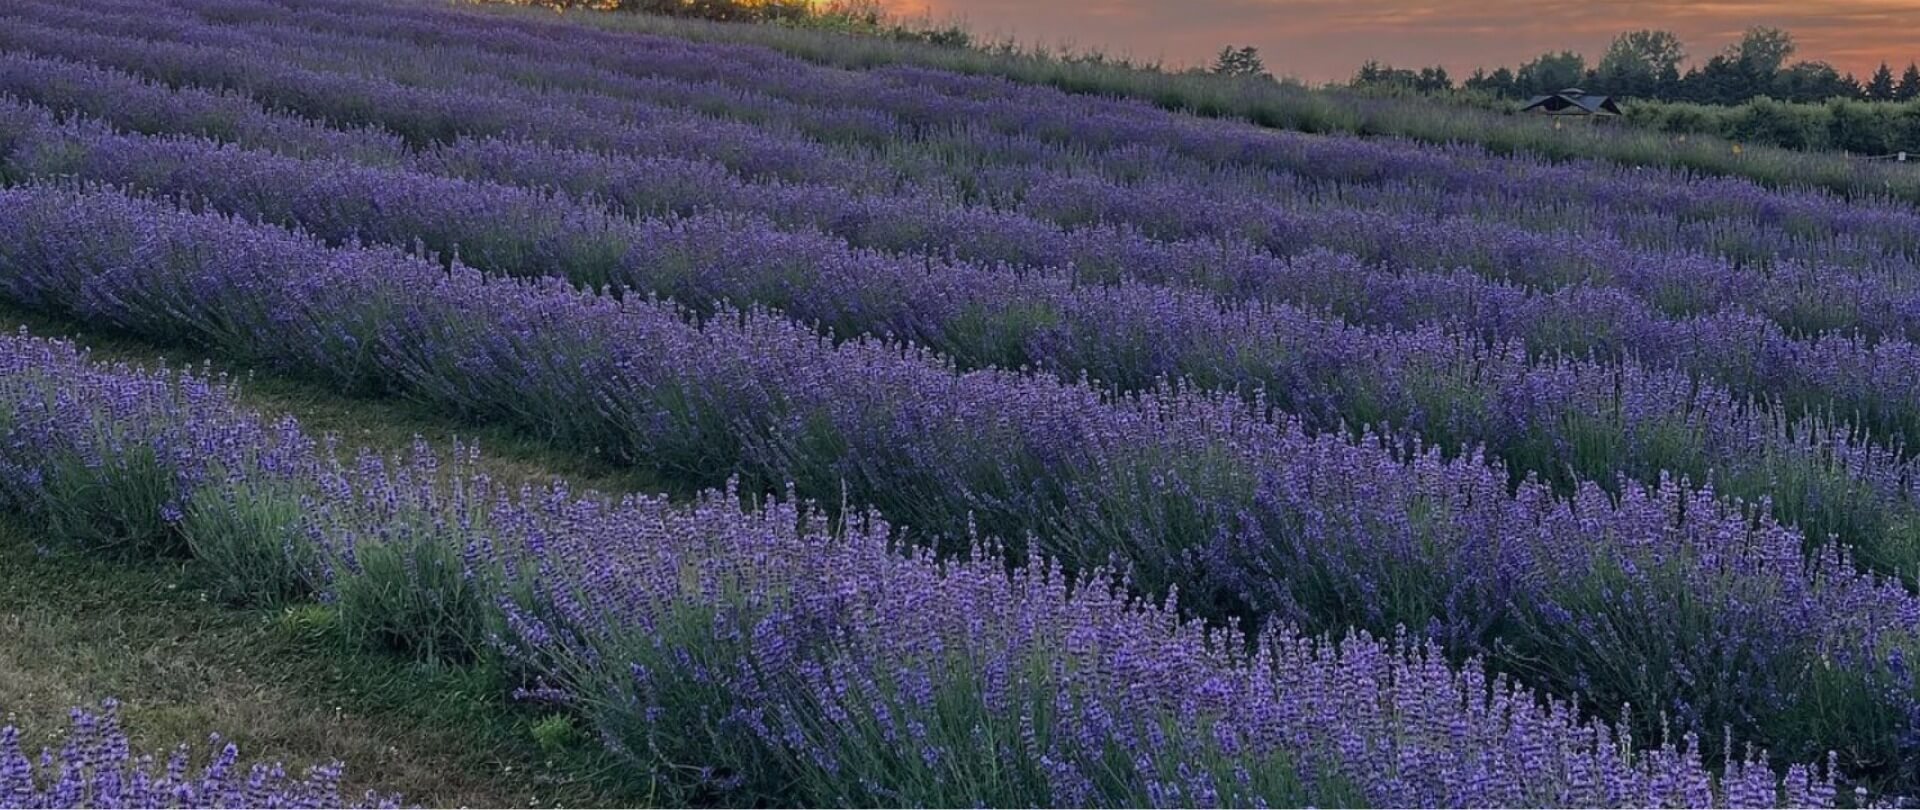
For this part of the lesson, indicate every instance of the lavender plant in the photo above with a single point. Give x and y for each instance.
(95, 766)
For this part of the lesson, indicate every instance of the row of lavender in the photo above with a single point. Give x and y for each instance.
(1765, 362)
(1455, 239)
(1167, 192)
(1563, 420)
(95, 766)
(1841, 362)
(757, 655)
(1874, 305)
(1678, 283)
(900, 108)
(1667, 599)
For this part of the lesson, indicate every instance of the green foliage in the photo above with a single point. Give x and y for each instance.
(1425, 80)
(413, 595)
(118, 503)
(1869, 128)
(1807, 82)
(1244, 61)
(310, 623)
(972, 738)
(1881, 87)
(1638, 62)
(1646, 64)
(1768, 121)
(248, 535)
(1551, 73)
(556, 733)
(1761, 50)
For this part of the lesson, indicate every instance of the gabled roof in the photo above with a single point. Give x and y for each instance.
(1572, 101)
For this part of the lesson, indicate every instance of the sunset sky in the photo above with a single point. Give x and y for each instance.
(1320, 40)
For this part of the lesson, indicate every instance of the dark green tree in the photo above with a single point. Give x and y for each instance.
(1762, 51)
(1425, 80)
(1551, 73)
(1811, 82)
(1881, 86)
(1641, 63)
(1243, 61)
(1746, 69)
(1647, 64)
(1498, 83)
(1909, 88)
(1433, 80)
(1371, 74)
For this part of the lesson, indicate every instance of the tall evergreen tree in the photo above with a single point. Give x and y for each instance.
(1881, 87)
(1909, 88)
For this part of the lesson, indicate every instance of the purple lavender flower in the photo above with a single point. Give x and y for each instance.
(95, 767)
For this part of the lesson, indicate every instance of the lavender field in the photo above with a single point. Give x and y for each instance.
(1013, 447)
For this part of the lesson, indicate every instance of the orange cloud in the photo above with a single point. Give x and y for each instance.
(1327, 39)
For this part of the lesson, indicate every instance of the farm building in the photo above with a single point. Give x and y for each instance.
(1571, 101)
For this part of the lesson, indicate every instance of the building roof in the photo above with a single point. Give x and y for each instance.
(1572, 101)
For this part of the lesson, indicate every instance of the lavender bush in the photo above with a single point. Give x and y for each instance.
(95, 766)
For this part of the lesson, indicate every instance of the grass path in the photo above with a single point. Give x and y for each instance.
(75, 629)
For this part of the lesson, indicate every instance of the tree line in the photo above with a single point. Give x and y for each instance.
(1647, 64)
